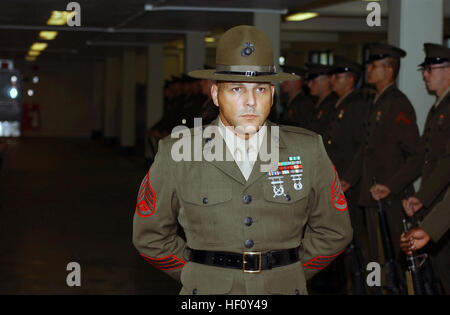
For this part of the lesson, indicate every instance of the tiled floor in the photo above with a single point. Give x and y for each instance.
(71, 200)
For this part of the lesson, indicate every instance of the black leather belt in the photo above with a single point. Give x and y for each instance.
(251, 262)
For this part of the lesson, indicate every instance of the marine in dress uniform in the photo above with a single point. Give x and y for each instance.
(300, 107)
(432, 158)
(391, 137)
(342, 140)
(248, 230)
(320, 87)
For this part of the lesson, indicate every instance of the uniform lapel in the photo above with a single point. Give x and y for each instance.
(229, 167)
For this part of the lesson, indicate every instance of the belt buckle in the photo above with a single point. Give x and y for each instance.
(244, 262)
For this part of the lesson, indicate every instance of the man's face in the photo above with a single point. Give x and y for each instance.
(319, 84)
(376, 72)
(341, 82)
(243, 104)
(436, 77)
(293, 85)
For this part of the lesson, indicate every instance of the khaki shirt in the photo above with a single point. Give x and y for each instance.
(221, 211)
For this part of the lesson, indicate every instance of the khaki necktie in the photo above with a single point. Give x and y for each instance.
(243, 160)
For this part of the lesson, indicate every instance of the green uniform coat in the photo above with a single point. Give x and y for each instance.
(220, 211)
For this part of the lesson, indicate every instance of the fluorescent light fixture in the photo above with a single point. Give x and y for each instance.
(38, 46)
(30, 58)
(60, 17)
(301, 16)
(48, 35)
(210, 39)
(34, 53)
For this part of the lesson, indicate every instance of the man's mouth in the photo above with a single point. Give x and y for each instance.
(249, 116)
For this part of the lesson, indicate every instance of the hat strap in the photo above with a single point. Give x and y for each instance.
(240, 69)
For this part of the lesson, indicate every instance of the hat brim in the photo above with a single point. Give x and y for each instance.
(211, 74)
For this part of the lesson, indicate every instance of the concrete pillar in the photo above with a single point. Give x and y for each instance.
(128, 102)
(155, 97)
(412, 23)
(269, 23)
(194, 51)
(112, 89)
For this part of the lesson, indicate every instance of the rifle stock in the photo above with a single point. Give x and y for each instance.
(393, 282)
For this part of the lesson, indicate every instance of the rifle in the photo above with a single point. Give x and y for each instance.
(359, 287)
(393, 283)
(414, 279)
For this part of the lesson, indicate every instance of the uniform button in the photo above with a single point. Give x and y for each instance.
(288, 198)
(297, 292)
(194, 291)
(247, 199)
(249, 243)
(329, 141)
(205, 200)
(248, 221)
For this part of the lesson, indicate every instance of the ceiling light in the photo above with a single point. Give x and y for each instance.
(13, 93)
(210, 39)
(38, 46)
(48, 35)
(301, 16)
(60, 17)
(34, 53)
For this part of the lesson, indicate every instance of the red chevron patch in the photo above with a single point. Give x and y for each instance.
(337, 195)
(320, 262)
(170, 262)
(145, 205)
(402, 118)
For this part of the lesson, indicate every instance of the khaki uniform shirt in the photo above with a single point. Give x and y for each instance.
(221, 211)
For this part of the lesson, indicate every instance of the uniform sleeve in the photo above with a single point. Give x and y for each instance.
(328, 230)
(353, 173)
(407, 134)
(155, 218)
(437, 222)
(410, 171)
(437, 181)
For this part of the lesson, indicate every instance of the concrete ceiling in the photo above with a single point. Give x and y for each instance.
(108, 25)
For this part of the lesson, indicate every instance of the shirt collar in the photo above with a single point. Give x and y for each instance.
(382, 92)
(233, 141)
(439, 100)
(343, 98)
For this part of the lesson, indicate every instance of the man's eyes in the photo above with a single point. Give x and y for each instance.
(259, 89)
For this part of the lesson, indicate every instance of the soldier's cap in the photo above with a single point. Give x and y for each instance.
(315, 70)
(244, 54)
(435, 54)
(381, 51)
(295, 70)
(342, 64)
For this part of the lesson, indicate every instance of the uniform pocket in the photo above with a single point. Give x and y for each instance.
(285, 189)
(287, 280)
(203, 279)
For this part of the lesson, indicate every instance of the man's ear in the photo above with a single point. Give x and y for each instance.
(272, 87)
(215, 93)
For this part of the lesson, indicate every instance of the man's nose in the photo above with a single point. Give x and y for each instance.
(251, 98)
